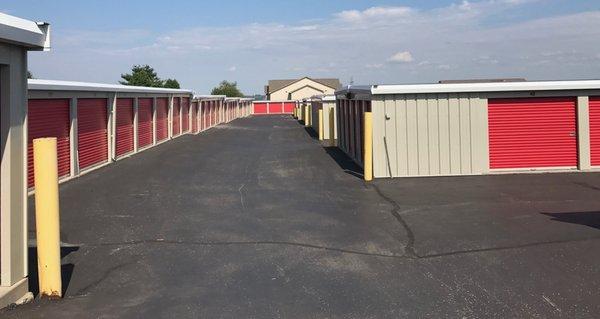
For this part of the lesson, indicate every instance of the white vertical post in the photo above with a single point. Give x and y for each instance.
(135, 124)
(154, 121)
(74, 137)
(583, 133)
(112, 123)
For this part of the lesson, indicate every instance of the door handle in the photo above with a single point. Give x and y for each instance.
(573, 134)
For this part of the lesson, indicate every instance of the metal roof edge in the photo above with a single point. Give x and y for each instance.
(486, 87)
(34, 35)
(55, 85)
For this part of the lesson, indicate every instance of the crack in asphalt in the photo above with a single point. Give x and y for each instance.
(409, 249)
(238, 243)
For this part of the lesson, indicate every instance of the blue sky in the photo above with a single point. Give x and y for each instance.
(203, 42)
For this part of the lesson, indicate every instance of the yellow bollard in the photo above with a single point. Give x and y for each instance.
(294, 113)
(45, 167)
(306, 116)
(368, 147)
(331, 127)
(320, 124)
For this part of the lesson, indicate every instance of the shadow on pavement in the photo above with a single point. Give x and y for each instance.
(311, 132)
(590, 219)
(66, 269)
(344, 161)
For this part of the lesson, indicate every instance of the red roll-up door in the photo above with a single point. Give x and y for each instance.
(532, 133)
(260, 108)
(185, 114)
(213, 113)
(162, 119)
(195, 117)
(124, 127)
(275, 108)
(144, 122)
(92, 134)
(595, 129)
(288, 107)
(176, 116)
(49, 118)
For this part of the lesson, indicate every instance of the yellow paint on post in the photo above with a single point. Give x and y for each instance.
(306, 116)
(45, 167)
(320, 124)
(368, 147)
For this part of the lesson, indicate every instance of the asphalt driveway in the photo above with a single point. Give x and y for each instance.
(255, 219)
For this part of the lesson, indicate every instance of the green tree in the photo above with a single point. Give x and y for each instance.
(171, 84)
(142, 75)
(228, 89)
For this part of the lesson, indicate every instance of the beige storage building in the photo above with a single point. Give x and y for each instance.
(474, 128)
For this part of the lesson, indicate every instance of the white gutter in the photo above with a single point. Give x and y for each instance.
(485, 87)
(53, 85)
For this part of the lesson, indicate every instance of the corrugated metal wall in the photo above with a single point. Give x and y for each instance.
(49, 118)
(92, 132)
(124, 127)
(176, 117)
(195, 117)
(162, 119)
(185, 115)
(430, 135)
(145, 124)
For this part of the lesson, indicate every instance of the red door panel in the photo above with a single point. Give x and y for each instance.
(195, 117)
(49, 118)
(260, 108)
(92, 135)
(176, 116)
(162, 119)
(288, 107)
(124, 127)
(595, 130)
(275, 108)
(144, 122)
(532, 133)
(185, 114)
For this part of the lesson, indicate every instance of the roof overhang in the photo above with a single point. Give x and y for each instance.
(53, 85)
(32, 35)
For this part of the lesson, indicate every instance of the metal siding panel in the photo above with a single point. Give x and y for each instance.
(162, 119)
(92, 135)
(479, 135)
(378, 133)
(390, 141)
(433, 135)
(532, 133)
(454, 133)
(412, 134)
(444, 133)
(465, 133)
(422, 134)
(401, 141)
(49, 118)
(594, 116)
(176, 116)
(124, 127)
(144, 122)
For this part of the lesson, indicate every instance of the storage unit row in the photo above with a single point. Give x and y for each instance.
(473, 128)
(273, 107)
(96, 124)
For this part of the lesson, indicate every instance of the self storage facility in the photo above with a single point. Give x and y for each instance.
(473, 128)
(96, 124)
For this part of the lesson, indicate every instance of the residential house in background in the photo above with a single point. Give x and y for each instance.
(298, 89)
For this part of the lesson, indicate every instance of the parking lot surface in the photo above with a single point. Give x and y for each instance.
(255, 219)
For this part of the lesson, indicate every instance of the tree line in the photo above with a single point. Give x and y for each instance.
(144, 75)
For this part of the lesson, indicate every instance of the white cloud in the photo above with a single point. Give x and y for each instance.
(232, 69)
(401, 57)
(453, 41)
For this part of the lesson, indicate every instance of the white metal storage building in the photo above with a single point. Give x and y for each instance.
(474, 128)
